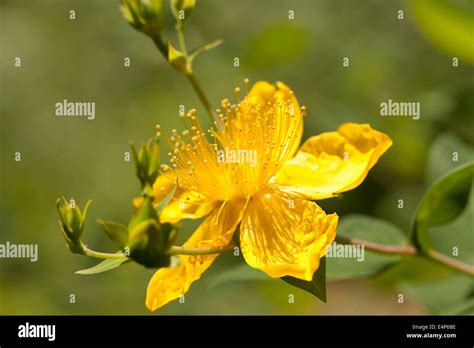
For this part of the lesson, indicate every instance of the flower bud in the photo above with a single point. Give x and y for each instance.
(149, 240)
(182, 9)
(147, 162)
(72, 222)
(147, 16)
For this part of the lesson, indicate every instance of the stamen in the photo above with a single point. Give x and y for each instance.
(237, 93)
(303, 111)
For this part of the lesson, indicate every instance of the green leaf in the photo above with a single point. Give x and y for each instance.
(349, 261)
(455, 238)
(84, 214)
(442, 203)
(449, 27)
(117, 232)
(134, 153)
(317, 286)
(444, 200)
(164, 202)
(447, 153)
(104, 266)
(204, 48)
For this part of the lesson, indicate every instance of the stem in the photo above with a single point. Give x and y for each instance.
(175, 250)
(410, 250)
(161, 47)
(380, 248)
(179, 250)
(100, 255)
(202, 97)
(190, 76)
(450, 262)
(423, 242)
(182, 42)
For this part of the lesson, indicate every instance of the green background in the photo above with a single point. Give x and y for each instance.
(82, 60)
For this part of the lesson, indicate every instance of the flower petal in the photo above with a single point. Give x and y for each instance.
(188, 205)
(184, 204)
(333, 162)
(164, 184)
(285, 93)
(167, 283)
(262, 92)
(285, 237)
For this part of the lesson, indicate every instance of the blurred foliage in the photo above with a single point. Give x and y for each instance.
(448, 25)
(275, 45)
(444, 294)
(445, 148)
(82, 59)
(443, 221)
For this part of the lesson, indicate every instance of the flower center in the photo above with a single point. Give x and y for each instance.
(254, 141)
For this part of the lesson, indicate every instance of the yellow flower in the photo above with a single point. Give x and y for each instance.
(254, 174)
